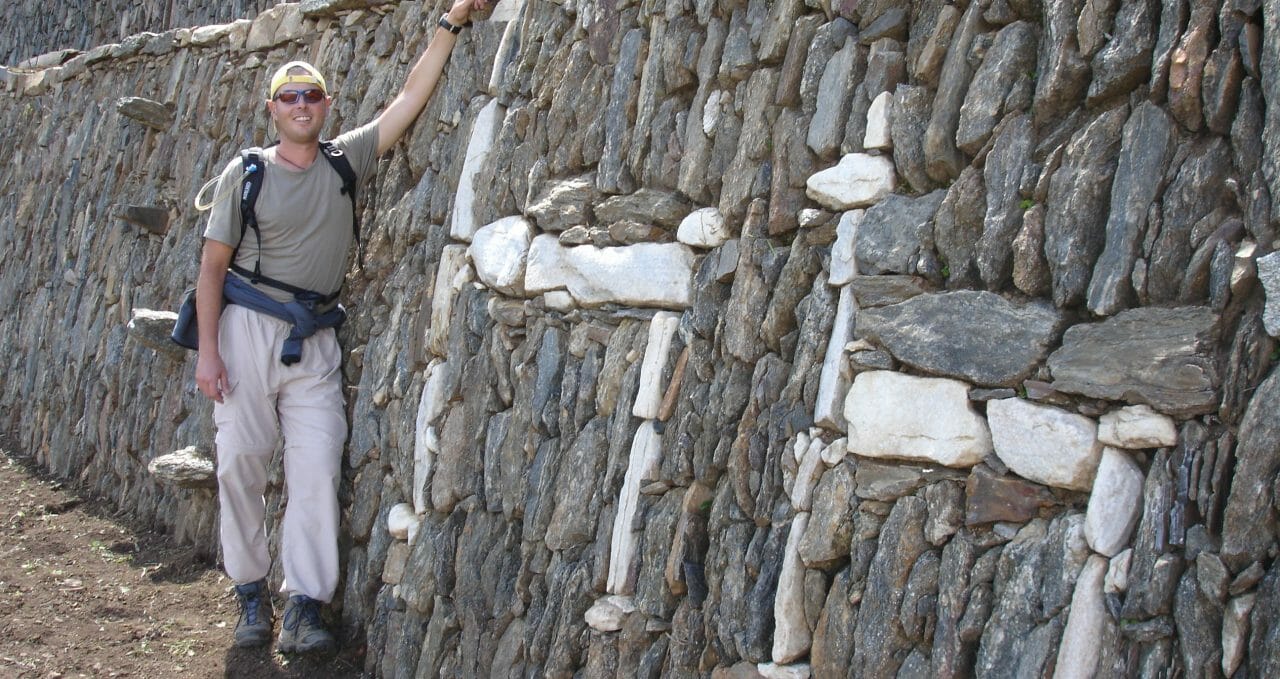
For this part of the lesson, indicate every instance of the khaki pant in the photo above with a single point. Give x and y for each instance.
(304, 403)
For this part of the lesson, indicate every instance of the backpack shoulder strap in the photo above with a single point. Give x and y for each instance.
(338, 161)
(251, 186)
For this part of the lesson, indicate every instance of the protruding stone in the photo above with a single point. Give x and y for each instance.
(643, 464)
(1045, 444)
(1164, 357)
(1269, 274)
(833, 381)
(153, 114)
(977, 336)
(190, 467)
(990, 498)
(1136, 427)
(152, 328)
(843, 265)
(858, 180)
(452, 273)
(1114, 503)
(703, 228)
(499, 251)
(150, 219)
(565, 203)
(1235, 632)
(646, 206)
(886, 421)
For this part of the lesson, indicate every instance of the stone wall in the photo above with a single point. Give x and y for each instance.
(30, 28)
(875, 339)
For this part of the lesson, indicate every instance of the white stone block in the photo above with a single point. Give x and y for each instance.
(833, 381)
(791, 634)
(879, 123)
(1137, 426)
(770, 670)
(1117, 580)
(1045, 444)
(833, 454)
(656, 353)
(400, 519)
(1081, 639)
(483, 132)
(843, 265)
(559, 300)
(606, 614)
(807, 476)
(499, 251)
(1269, 274)
(451, 275)
(925, 419)
(858, 180)
(425, 441)
(1114, 504)
(703, 228)
(643, 464)
(648, 274)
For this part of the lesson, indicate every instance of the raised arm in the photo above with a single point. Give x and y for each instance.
(423, 77)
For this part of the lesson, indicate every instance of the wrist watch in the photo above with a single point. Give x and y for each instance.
(444, 23)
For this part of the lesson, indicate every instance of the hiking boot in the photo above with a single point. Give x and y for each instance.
(254, 626)
(302, 630)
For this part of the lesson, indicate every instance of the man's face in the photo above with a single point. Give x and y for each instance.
(299, 110)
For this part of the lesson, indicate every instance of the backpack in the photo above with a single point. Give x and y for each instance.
(251, 159)
(185, 333)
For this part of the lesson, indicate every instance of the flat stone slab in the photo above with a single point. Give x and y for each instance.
(1163, 357)
(888, 418)
(190, 467)
(499, 250)
(1045, 444)
(646, 274)
(972, 335)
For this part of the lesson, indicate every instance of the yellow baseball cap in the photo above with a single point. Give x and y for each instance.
(283, 77)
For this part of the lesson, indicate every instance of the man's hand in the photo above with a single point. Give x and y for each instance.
(460, 13)
(211, 375)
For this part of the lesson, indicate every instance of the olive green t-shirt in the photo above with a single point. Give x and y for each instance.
(304, 217)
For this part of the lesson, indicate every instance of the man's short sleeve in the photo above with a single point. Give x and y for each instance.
(224, 223)
(361, 147)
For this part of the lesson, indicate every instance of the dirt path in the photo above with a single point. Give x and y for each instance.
(85, 594)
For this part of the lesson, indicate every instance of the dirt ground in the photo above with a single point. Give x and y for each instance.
(83, 593)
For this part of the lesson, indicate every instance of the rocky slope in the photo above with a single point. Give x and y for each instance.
(722, 337)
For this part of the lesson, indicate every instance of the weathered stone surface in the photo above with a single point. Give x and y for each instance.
(1003, 176)
(885, 422)
(1045, 444)
(1001, 85)
(1193, 194)
(843, 265)
(936, 333)
(646, 206)
(1269, 276)
(942, 159)
(1165, 358)
(1250, 523)
(484, 132)
(1137, 427)
(190, 467)
(1125, 61)
(857, 180)
(1147, 142)
(1063, 74)
(791, 633)
(842, 73)
(911, 106)
(990, 498)
(833, 381)
(402, 521)
(648, 274)
(895, 236)
(880, 639)
(1074, 230)
(563, 204)
(878, 291)
(879, 134)
(151, 219)
(888, 481)
(1235, 632)
(957, 228)
(1114, 502)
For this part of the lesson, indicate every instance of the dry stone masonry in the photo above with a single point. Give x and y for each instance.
(717, 338)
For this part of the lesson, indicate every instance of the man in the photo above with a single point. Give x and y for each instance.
(270, 360)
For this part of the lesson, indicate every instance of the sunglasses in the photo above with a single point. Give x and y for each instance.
(291, 97)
